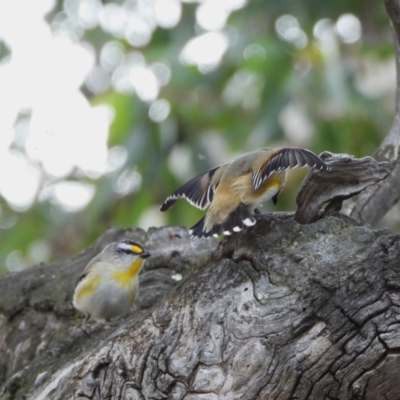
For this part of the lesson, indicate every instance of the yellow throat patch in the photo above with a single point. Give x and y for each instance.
(124, 278)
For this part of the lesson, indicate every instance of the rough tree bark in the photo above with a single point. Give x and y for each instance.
(39, 329)
(281, 311)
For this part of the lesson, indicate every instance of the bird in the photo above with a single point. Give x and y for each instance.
(233, 191)
(109, 283)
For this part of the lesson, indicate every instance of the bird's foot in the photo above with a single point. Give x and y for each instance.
(110, 325)
(85, 327)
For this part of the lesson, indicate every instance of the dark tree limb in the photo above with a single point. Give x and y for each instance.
(372, 205)
(348, 177)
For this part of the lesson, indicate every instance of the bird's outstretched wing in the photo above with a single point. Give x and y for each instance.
(286, 158)
(198, 191)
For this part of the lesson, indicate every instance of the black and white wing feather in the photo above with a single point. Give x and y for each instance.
(198, 191)
(287, 158)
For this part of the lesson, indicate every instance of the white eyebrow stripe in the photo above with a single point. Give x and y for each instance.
(124, 246)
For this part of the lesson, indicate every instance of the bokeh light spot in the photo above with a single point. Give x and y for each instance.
(138, 31)
(117, 157)
(323, 29)
(159, 110)
(348, 27)
(15, 261)
(296, 125)
(167, 13)
(211, 16)
(233, 5)
(88, 13)
(111, 55)
(162, 71)
(254, 51)
(288, 28)
(98, 80)
(73, 196)
(145, 83)
(7, 219)
(19, 180)
(244, 89)
(205, 50)
(151, 218)
(39, 251)
(112, 19)
(180, 162)
(129, 181)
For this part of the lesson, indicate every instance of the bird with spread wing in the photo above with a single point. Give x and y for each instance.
(232, 191)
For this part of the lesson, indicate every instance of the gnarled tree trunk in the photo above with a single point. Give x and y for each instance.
(373, 204)
(281, 311)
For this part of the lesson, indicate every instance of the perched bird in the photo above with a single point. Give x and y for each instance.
(232, 191)
(109, 284)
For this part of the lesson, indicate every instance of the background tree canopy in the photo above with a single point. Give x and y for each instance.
(108, 106)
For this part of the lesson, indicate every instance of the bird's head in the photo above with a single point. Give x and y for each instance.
(128, 250)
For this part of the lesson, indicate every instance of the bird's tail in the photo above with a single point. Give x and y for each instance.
(236, 221)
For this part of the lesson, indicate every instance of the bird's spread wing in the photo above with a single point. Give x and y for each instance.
(198, 191)
(283, 159)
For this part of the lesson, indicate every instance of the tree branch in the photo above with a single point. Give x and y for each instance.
(348, 177)
(372, 205)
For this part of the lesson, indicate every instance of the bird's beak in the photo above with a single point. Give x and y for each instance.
(145, 254)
